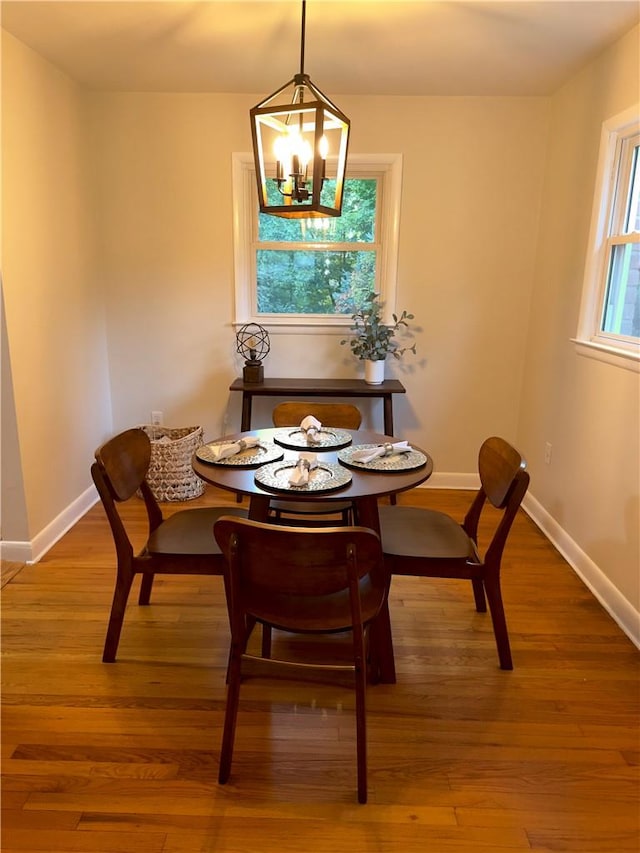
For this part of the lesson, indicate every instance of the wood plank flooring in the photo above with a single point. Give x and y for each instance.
(8, 570)
(113, 758)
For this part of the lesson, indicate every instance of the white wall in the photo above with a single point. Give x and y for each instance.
(13, 513)
(587, 410)
(54, 314)
(165, 254)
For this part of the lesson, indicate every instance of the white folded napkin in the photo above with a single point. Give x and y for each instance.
(311, 426)
(371, 453)
(300, 474)
(224, 451)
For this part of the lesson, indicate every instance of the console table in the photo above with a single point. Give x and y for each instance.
(318, 388)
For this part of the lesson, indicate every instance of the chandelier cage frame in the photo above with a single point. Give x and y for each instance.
(323, 128)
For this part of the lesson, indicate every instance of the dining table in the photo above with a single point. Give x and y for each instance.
(262, 468)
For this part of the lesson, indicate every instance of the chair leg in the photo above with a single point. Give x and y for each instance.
(230, 715)
(265, 648)
(266, 644)
(382, 655)
(372, 656)
(118, 607)
(346, 517)
(266, 641)
(361, 730)
(478, 595)
(496, 608)
(145, 589)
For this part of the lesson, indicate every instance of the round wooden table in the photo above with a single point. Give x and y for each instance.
(364, 489)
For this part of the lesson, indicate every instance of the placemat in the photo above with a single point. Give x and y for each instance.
(328, 439)
(326, 477)
(251, 457)
(393, 463)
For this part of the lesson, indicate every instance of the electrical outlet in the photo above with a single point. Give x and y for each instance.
(157, 418)
(547, 453)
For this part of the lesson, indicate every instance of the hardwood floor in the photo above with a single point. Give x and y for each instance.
(8, 570)
(462, 756)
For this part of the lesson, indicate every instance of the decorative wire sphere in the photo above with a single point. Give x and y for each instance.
(253, 342)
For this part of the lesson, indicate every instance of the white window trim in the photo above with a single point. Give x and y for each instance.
(244, 205)
(590, 340)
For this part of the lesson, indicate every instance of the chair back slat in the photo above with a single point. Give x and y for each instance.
(281, 570)
(498, 466)
(516, 493)
(340, 415)
(124, 462)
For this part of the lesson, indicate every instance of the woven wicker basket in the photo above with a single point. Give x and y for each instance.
(171, 476)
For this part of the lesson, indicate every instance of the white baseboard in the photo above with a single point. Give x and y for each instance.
(34, 550)
(609, 596)
(15, 552)
(442, 480)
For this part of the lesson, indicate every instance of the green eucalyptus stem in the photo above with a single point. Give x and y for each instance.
(372, 339)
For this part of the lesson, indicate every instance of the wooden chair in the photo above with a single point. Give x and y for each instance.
(300, 580)
(425, 543)
(338, 415)
(180, 544)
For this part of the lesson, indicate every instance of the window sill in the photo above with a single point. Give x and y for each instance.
(297, 326)
(627, 359)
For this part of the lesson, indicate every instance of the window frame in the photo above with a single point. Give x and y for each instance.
(606, 231)
(387, 168)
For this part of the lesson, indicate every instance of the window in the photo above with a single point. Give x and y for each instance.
(314, 272)
(610, 311)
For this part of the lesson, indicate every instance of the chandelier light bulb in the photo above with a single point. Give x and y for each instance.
(304, 150)
(282, 152)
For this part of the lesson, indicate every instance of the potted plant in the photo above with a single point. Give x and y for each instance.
(373, 340)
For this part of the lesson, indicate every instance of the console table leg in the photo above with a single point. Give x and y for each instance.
(245, 423)
(388, 414)
(388, 422)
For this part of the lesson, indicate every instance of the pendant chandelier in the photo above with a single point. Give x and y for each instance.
(299, 148)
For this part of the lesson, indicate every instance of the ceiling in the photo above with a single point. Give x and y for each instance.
(357, 47)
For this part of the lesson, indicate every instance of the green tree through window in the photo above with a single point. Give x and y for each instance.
(319, 266)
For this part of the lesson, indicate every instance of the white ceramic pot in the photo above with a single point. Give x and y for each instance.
(374, 372)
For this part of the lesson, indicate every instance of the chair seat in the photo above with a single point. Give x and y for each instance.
(190, 531)
(413, 532)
